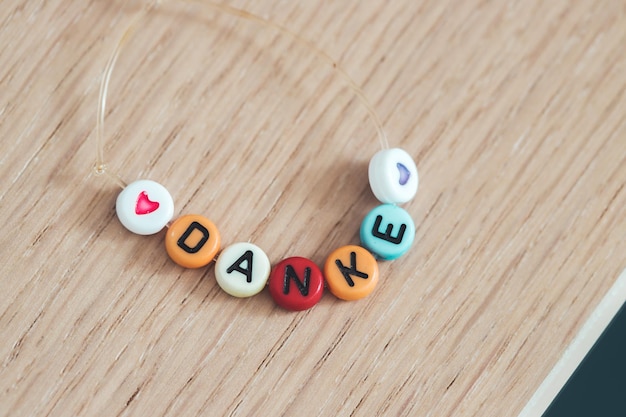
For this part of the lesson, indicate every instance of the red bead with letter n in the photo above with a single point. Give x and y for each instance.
(296, 284)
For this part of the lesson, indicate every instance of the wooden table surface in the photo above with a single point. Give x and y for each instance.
(515, 112)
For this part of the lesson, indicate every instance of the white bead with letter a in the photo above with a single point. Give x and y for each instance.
(242, 269)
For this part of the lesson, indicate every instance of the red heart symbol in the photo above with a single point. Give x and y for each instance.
(144, 205)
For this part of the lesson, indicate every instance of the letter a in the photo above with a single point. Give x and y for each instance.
(247, 258)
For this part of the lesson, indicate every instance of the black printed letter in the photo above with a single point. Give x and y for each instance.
(387, 235)
(193, 226)
(303, 286)
(348, 272)
(246, 257)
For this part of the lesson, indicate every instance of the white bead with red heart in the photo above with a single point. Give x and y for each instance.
(144, 207)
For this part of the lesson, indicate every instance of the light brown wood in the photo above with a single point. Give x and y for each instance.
(515, 113)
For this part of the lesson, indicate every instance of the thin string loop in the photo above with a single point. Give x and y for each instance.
(100, 167)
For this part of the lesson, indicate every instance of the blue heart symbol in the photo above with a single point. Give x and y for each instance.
(405, 174)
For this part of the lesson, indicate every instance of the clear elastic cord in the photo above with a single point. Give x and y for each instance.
(100, 167)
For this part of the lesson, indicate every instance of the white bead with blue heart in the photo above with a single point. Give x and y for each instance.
(393, 176)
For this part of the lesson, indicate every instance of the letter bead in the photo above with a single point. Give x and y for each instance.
(242, 269)
(192, 241)
(296, 284)
(144, 207)
(388, 231)
(351, 272)
(393, 176)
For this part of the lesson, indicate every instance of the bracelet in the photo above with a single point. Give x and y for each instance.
(243, 269)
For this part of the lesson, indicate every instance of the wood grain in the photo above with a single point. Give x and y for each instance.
(515, 112)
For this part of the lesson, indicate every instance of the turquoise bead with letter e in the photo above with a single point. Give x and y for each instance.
(388, 231)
